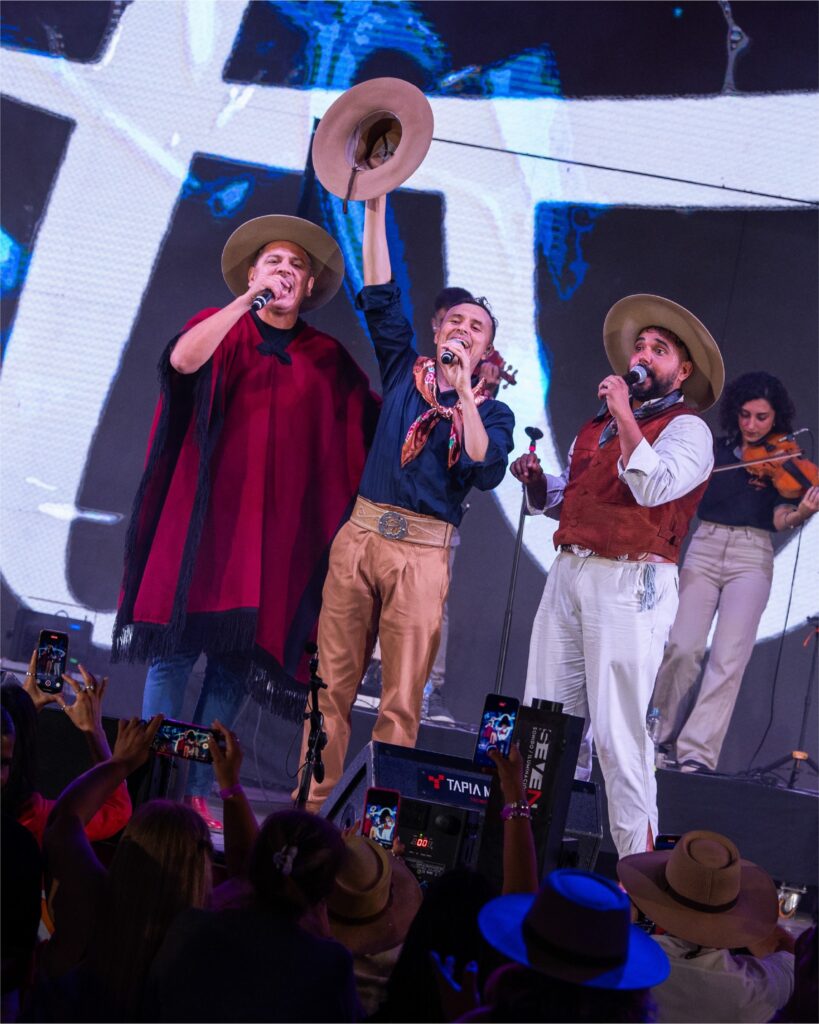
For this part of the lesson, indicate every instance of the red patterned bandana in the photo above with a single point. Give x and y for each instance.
(418, 433)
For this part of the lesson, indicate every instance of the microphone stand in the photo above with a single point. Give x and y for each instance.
(317, 740)
(534, 436)
(797, 758)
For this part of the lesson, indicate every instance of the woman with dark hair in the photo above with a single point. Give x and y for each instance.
(260, 958)
(727, 572)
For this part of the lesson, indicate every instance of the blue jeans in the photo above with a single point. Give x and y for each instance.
(221, 696)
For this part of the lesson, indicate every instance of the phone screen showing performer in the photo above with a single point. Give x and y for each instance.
(496, 728)
(52, 657)
(182, 739)
(381, 815)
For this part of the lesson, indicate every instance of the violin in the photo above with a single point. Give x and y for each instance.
(507, 373)
(780, 459)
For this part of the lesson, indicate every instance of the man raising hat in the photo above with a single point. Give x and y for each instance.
(257, 447)
(708, 902)
(633, 481)
(439, 435)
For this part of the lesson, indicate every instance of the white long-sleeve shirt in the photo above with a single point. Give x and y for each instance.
(680, 459)
(717, 985)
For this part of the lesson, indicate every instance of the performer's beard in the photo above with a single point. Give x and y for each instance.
(654, 387)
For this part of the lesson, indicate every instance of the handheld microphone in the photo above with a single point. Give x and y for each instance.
(261, 300)
(534, 436)
(447, 356)
(636, 375)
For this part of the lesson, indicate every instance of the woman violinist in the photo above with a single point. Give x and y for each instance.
(728, 571)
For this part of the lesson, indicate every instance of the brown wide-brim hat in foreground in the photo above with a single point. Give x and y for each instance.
(244, 244)
(703, 892)
(630, 315)
(372, 138)
(375, 898)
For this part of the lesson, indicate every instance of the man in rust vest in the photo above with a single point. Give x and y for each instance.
(634, 479)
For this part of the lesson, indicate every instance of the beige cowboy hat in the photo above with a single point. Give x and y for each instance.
(375, 898)
(702, 891)
(372, 138)
(630, 315)
(244, 244)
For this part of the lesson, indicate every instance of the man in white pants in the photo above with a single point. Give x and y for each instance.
(635, 476)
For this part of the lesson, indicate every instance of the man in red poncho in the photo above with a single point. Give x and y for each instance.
(256, 451)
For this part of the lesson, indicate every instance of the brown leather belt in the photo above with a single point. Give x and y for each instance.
(644, 556)
(396, 523)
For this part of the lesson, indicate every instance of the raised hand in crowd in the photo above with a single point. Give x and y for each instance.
(519, 855)
(241, 827)
(510, 773)
(459, 996)
(133, 743)
(39, 698)
(85, 711)
(85, 795)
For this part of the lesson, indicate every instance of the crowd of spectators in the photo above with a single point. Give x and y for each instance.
(304, 922)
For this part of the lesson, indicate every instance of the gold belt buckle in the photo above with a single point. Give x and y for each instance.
(393, 526)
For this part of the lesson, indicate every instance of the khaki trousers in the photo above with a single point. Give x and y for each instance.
(727, 573)
(376, 586)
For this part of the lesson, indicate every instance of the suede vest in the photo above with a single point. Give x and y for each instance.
(599, 511)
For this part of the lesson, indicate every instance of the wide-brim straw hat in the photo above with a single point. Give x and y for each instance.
(630, 315)
(577, 929)
(702, 891)
(325, 256)
(372, 138)
(375, 898)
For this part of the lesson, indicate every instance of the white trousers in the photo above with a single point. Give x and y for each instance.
(597, 642)
(727, 573)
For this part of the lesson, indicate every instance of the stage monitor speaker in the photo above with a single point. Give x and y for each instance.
(442, 803)
(549, 741)
(584, 824)
(27, 627)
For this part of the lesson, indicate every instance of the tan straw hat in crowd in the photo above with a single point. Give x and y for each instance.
(630, 315)
(375, 898)
(702, 892)
(246, 241)
(372, 138)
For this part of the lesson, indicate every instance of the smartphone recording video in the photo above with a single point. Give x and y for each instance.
(52, 660)
(381, 815)
(496, 728)
(182, 739)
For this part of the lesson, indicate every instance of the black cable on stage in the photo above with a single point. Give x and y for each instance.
(771, 711)
(626, 170)
(734, 275)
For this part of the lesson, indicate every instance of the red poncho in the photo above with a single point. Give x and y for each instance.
(252, 467)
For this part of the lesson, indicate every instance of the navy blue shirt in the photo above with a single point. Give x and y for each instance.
(425, 485)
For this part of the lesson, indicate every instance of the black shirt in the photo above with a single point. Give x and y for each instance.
(736, 498)
(276, 339)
